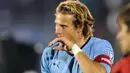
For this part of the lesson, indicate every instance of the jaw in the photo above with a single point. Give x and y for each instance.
(124, 47)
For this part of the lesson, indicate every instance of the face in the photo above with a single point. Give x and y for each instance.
(123, 36)
(65, 28)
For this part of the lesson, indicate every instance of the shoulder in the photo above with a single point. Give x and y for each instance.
(121, 65)
(120, 62)
(99, 41)
(102, 47)
(49, 49)
(47, 52)
(117, 65)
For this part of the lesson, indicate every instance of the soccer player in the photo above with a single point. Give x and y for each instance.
(123, 36)
(75, 50)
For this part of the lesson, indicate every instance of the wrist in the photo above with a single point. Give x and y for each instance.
(75, 49)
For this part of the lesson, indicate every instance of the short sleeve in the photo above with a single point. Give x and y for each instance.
(104, 54)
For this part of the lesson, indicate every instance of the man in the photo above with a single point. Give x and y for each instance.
(78, 51)
(123, 35)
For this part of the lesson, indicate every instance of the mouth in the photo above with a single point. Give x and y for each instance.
(59, 36)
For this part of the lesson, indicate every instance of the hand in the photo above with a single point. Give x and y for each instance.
(67, 45)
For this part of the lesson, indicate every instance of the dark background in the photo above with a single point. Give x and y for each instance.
(26, 27)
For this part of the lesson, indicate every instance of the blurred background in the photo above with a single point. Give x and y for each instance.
(26, 27)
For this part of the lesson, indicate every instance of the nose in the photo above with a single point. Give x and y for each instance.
(58, 30)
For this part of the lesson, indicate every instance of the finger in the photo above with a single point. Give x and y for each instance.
(65, 48)
(52, 42)
(58, 48)
(66, 42)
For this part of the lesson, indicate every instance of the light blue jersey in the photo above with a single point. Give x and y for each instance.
(57, 61)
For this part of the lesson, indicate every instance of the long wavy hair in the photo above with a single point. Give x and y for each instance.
(81, 14)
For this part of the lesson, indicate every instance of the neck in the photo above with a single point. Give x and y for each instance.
(82, 41)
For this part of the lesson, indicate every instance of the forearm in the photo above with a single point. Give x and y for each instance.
(88, 66)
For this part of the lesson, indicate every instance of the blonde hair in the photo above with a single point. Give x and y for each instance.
(81, 13)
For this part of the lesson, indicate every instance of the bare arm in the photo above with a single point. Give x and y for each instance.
(86, 65)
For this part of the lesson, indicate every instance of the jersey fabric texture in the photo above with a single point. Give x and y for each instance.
(57, 61)
(123, 66)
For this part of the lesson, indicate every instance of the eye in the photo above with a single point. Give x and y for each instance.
(63, 26)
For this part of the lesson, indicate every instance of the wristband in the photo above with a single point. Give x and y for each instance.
(75, 49)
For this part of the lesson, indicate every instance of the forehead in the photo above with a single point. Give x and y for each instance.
(64, 18)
